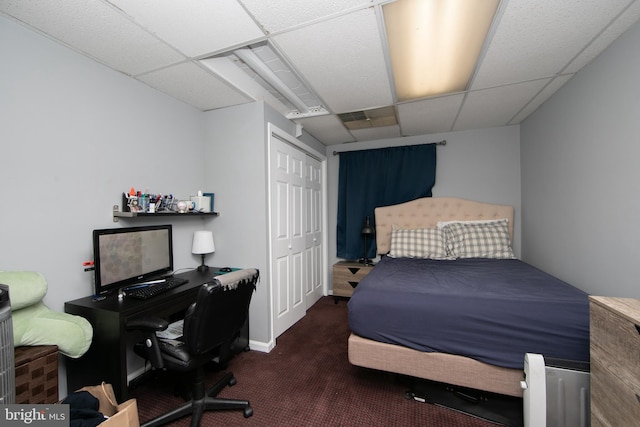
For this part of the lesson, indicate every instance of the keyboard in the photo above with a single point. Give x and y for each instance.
(154, 289)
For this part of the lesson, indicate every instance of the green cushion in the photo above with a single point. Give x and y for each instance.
(36, 324)
(25, 287)
(39, 325)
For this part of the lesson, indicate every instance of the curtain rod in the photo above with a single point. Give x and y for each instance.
(443, 142)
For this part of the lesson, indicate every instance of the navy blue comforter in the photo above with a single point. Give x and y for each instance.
(490, 310)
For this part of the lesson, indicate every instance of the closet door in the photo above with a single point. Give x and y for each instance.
(287, 234)
(313, 228)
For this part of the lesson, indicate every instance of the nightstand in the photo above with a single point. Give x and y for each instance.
(346, 276)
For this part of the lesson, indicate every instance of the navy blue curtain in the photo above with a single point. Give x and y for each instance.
(378, 177)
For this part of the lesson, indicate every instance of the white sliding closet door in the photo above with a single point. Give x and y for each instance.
(296, 231)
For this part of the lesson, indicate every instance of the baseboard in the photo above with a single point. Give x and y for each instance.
(131, 376)
(264, 347)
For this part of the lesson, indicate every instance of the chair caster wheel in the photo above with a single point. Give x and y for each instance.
(248, 412)
(233, 381)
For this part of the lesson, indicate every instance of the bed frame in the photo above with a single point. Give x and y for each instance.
(442, 367)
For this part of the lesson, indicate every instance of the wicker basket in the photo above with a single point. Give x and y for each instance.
(36, 374)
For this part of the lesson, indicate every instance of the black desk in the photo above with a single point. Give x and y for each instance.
(106, 359)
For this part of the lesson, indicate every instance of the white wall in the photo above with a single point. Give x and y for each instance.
(234, 153)
(236, 171)
(581, 176)
(481, 165)
(74, 136)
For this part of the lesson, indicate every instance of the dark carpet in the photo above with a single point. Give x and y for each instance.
(307, 380)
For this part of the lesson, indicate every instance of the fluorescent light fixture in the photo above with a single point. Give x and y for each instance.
(435, 44)
(251, 59)
(265, 75)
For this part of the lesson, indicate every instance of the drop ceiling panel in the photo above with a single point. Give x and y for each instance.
(619, 26)
(377, 133)
(342, 60)
(496, 106)
(193, 85)
(336, 47)
(545, 94)
(97, 30)
(429, 116)
(195, 27)
(537, 39)
(277, 15)
(327, 129)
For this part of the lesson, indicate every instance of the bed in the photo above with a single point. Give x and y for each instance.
(462, 315)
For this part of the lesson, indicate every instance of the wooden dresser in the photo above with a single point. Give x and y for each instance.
(347, 275)
(615, 361)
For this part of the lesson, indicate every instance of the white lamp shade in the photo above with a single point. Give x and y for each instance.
(203, 242)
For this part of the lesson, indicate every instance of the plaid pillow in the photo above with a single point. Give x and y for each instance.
(418, 243)
(479, 240)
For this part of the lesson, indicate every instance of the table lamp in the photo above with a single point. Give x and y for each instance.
(367, 231)
(202, 245)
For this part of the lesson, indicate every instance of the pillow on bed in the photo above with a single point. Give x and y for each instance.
(443, 224)
(427, 243)
(479, 240)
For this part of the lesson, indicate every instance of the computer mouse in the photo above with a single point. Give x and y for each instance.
(226, 269)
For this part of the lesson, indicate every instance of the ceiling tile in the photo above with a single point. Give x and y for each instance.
(496, 106)
(370, 134)
(537, 39)
(327, 129)
(277, 15)
(545, 94)
(429, 116)
(347, 67)
(194, 27)
(97, 30)
(336, 47)
(607, 37)
(193, 85)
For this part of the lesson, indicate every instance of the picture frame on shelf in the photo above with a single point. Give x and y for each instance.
(210, 195)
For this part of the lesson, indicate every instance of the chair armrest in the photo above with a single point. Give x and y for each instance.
(148, 324)
(149, 348)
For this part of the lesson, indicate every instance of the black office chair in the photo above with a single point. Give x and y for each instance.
(210, 326)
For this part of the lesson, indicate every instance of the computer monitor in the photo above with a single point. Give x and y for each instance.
(125, 256)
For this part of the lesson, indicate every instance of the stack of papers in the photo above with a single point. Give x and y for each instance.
(174, 331)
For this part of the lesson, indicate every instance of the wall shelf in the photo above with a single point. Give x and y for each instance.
(117, 214)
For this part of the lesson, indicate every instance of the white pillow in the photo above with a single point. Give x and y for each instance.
(426, 243)
(479, 240)
(442, 224)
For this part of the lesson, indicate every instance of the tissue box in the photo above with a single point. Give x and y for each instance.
(203, 203)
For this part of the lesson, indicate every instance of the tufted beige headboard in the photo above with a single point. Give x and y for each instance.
(426, 212)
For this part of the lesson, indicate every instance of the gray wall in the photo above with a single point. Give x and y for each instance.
(235, 154)
(581, 176)
(480, 165)
(74, 136)
(235, 173)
